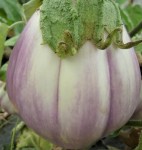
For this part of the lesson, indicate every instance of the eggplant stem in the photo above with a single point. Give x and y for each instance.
(128, 45)
(104, 44)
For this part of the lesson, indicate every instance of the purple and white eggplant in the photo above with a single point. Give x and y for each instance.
(63, 85)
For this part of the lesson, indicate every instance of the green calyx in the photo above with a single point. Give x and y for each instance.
(67, 24)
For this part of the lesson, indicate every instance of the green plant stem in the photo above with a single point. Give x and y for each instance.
(12, 139)
(13, 136)
(136, 29)
(15, 24)
(134, 123)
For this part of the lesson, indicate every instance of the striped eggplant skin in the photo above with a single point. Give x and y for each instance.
(75, 101)
(138, 112)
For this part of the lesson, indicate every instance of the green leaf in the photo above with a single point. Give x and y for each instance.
(3, 34)
(11, 41)
(29, 139)
(10, 12)
(3, 71)
(134, 15)
(138, 37)
(3, 17)
(30, 7)
(139, 48)
(12, 9)
(121, 1)
(126, 19)
(3, 20)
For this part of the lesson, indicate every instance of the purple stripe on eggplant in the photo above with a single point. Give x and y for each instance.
(121, 100)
